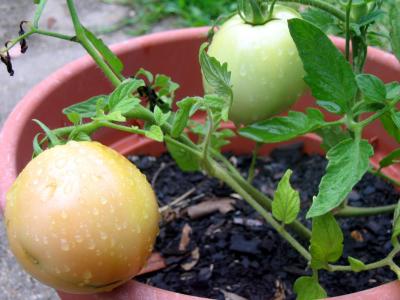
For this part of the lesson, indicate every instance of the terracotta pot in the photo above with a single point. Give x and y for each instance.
(173, 53)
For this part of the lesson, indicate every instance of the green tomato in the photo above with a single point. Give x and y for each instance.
(266, 70)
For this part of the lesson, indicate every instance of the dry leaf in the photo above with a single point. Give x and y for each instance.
(195, 258)
(357, 235)
(155, 262)
(185, 238)
(280, 291)
(223, 205)
(232, 296)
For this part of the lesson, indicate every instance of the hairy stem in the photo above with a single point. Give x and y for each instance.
(321, 5)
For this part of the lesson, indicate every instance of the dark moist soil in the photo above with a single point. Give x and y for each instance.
(252, 260)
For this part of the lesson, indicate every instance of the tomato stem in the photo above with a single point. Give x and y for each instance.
(38, 13)
(348, 37)
(321, 5)
(253, 162)
(84, 41)
(252, 12)
(351, 211)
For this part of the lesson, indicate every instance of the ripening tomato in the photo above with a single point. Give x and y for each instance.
(266, 70)
(81, 218)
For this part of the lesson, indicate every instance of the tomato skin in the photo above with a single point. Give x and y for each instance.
(266, 70)
(81, 218)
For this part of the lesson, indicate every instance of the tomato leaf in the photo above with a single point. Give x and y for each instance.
(396, 118)
(348, 162)
(367, 107)
(155, 133)
(123, 91)
(326, 241)
(165, 86)
(394, 16)
(36, 146)
(114, 116)
(390, 159)
(308, 288)
(393, 90)
(332, 136)
(372, 87)
(388, 122)
(87, 108)
(356, 264)
(281, 129)
(182, 115)
(217, 106)
(160, 117)
(215, 73)
(81, 136)
(321, 19)
(112, 60)
(53, 139)
(396, 225)
(185, 160)
(147, 74)
(329, 75)
(221, 138)
(125, 105)
(286, 203)
(74, 118)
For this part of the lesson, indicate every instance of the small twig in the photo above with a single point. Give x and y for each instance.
(177, 200)
(157, 173)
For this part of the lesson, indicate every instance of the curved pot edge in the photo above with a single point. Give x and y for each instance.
(31, 99)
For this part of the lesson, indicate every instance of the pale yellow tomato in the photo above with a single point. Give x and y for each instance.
(81, 218)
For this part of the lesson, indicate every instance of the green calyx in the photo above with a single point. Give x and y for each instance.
(254, 12)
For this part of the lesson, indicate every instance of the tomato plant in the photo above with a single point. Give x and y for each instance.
(266, 70)
(78, 197)
(81, 218)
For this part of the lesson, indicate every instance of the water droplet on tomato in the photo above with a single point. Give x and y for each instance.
(64, 245)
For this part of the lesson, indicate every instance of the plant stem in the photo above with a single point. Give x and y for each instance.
(38, 13)
(225, 177)
(375, 265)
(83, 40)
(207, 139)
(271, 9)
(351, 211)
(253, 162)
(348, 38)
(387, 261)
(321, 5)
(374, 117)
(56, 35)
(15, 41)
(262, 199)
